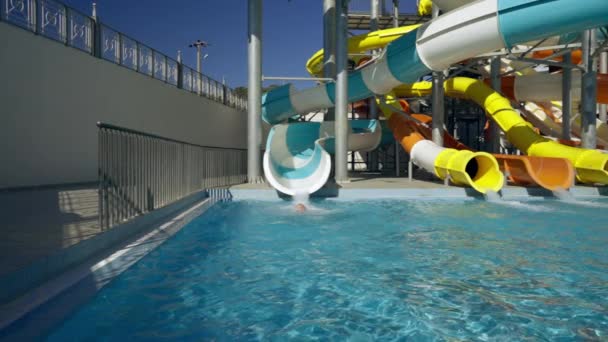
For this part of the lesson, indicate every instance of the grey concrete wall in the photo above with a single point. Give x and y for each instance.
(51, 97)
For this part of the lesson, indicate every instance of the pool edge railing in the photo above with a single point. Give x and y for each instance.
(139, 172)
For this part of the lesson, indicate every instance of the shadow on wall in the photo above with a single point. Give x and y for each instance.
(38, 222)
(38, 323)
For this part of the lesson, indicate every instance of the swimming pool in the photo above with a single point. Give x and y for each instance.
(365, 270)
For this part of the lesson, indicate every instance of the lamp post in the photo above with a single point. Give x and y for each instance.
(199, 44)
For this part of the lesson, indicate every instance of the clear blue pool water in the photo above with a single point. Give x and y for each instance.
(365, 270)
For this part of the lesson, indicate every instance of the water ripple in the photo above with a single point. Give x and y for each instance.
(381, 270)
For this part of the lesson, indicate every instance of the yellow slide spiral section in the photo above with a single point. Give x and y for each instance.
(360, 44)
(591, 165)
(478, 170)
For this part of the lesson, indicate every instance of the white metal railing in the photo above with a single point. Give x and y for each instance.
(140, 172)
(54, 20)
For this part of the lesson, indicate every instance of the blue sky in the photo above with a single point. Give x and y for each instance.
(292, 31)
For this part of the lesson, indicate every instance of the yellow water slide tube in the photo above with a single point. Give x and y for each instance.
(478, 170)
(425, 7)
(359, 44)
(591, 165)
(547, 172)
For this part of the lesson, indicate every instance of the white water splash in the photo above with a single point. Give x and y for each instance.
(302, 197)
(588, 204)
(563, 195)
(528, 206)
(492, 196)
(568, 197)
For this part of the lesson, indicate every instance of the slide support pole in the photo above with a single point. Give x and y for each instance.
(341, 96)
(372, 105)
(329, 47)
(494, 146)
(589, 92)
(566, 97)
(603, 70)
(254, 95)
(395, 13)
(438, 108)
(438, 100)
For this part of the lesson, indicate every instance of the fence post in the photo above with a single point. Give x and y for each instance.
(224, 97)
(119, 47)
(100, 160)
(96, 35)
(137, 57)
(180, 76)
(37, 16)
(67, 25)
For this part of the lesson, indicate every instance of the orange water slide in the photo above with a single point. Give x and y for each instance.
(405, 131)
(577, 55)
(546, 172)
(448, 139)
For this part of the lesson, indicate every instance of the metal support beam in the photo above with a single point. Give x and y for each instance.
(374, 14)
(395, 13)
(373, 24)
(494, 145)
(438, 107)
(566, 97)
(397, 145)
(410, 170)
(589, 91)
(329, 46)
(371, 104)
(254, 97)
(341, 96)
(397, 161)
(289, 78)
(438, 100)
(603, 69)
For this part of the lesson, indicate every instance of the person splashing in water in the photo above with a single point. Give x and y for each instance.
(300, 208)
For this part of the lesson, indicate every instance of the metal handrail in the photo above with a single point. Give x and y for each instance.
(152, 135)
(139, 172)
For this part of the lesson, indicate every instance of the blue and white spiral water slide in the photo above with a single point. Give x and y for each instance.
(297, 157)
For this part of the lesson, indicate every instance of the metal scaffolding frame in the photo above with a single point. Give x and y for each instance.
(337, 22)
